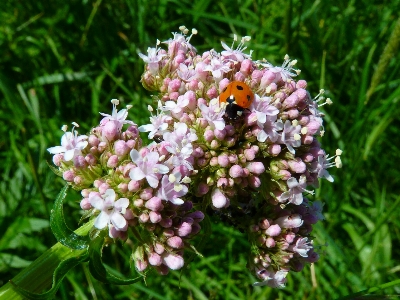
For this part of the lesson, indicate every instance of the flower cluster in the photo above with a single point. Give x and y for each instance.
(255, 168)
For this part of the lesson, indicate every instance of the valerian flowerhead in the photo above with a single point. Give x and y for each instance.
(253, 171)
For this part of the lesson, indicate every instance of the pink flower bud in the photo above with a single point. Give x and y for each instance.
(154, 204)
(69, 176)
(173, 261)
(273, 230)
(146, 194)
(110, 131)
(290, 101)
(138, 202)
(103, 187)
(215, 144)
(256, 167)
(292, 221)
(239, 76)
(256, 76)
(175, 242)
(212, 93)
(121, 148)
(155, 217)
(101, 147)
(144, 218)
(90, 159)
(85, 204)
(289, 237)
(133, 186)
(58, 159)
(303, 120)
(274, 149)
(301, 84)
(213, 161)
(272, 88)
(218, 198)
(297, 165)
(249, 154)
(208, 135)
(307, 139)
(246, 67)
(223, 160)
(184, 229)
(93, 140)
(123, 187)
(80, 162)
(174, 85)
(193, 85)
(112, 161)
(197, 215)
(236, 171)
(233, 159)
(155, 259)
(220, 134)
(267, 78)
(222, 183)
(270, 242)
(159, 248)
(141, 265)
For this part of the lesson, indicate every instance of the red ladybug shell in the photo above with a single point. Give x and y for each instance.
(238, 97)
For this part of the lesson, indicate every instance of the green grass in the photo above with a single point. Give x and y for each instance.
(63, 61)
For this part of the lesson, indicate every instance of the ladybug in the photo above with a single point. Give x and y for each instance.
(238, 97)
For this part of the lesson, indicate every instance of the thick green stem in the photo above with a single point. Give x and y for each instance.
(39, 275)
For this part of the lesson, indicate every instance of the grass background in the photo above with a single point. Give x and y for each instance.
(62, 61)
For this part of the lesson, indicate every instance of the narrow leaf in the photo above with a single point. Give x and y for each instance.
(97, 268)
(60, 230)
(63, 268)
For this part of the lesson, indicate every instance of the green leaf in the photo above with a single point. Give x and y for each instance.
(97, 268)
(14, 235)
(60, 230)
(63, 268)
(8, 261)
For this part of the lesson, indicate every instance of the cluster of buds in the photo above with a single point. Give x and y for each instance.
(258, 163)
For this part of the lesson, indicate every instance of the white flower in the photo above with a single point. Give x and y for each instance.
(111, 211)
(71, 145)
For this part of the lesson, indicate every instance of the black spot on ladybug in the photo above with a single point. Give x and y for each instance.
(248, 97)
(239, 87)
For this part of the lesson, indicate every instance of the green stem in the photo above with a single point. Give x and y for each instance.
(39, 275)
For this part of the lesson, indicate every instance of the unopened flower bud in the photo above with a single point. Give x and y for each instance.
(110, 131)
(256, 167)
(173, 261)
(273, 230)
(270, 242)
(112, 161)
(85, 204)
(218, 198)
(155, 259)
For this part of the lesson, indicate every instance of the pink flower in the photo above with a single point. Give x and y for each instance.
(147, 167)
(301, 247)
(217, 68)
(172, 189)
(71, 145)
(291, 136)
(153, 58)
(111, 211)
(117, 117)
(213, 114)
(296, 189)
